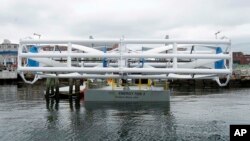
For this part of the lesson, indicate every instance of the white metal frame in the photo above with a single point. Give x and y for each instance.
(120, 68)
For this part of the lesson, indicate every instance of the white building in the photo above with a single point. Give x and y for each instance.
(8, 60)
(8, 54)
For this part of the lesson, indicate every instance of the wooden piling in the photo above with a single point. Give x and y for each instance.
(139, 84)
(77, 103)
(57, 88)
(47, 88)
(71, 103)
(166, 86)
(52, 86)
(77, 88)
(70, 87)
(117, 82)
(113, 84)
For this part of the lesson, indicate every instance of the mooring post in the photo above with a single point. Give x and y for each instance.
(113, 84)
(87, 83)
(57, 88)
(139, 84)
(47, 88)
(52, 86)
(117, 82)
(149, 83)
(166, 87)
(70, 87)
(77, 88)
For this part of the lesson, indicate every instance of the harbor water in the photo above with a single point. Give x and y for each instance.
(191, 114)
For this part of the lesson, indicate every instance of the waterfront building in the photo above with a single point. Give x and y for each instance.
(8, 60)
(241, 58)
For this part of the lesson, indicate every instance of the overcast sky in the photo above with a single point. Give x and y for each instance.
(77, 19)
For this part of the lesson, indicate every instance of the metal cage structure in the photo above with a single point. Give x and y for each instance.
(126, 59)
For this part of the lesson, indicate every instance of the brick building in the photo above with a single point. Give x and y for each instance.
(240, 58)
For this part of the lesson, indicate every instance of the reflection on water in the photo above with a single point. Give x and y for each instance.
(114, 121)
(132, 121)
(52, 104)
(190, 115)
(195, 91)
